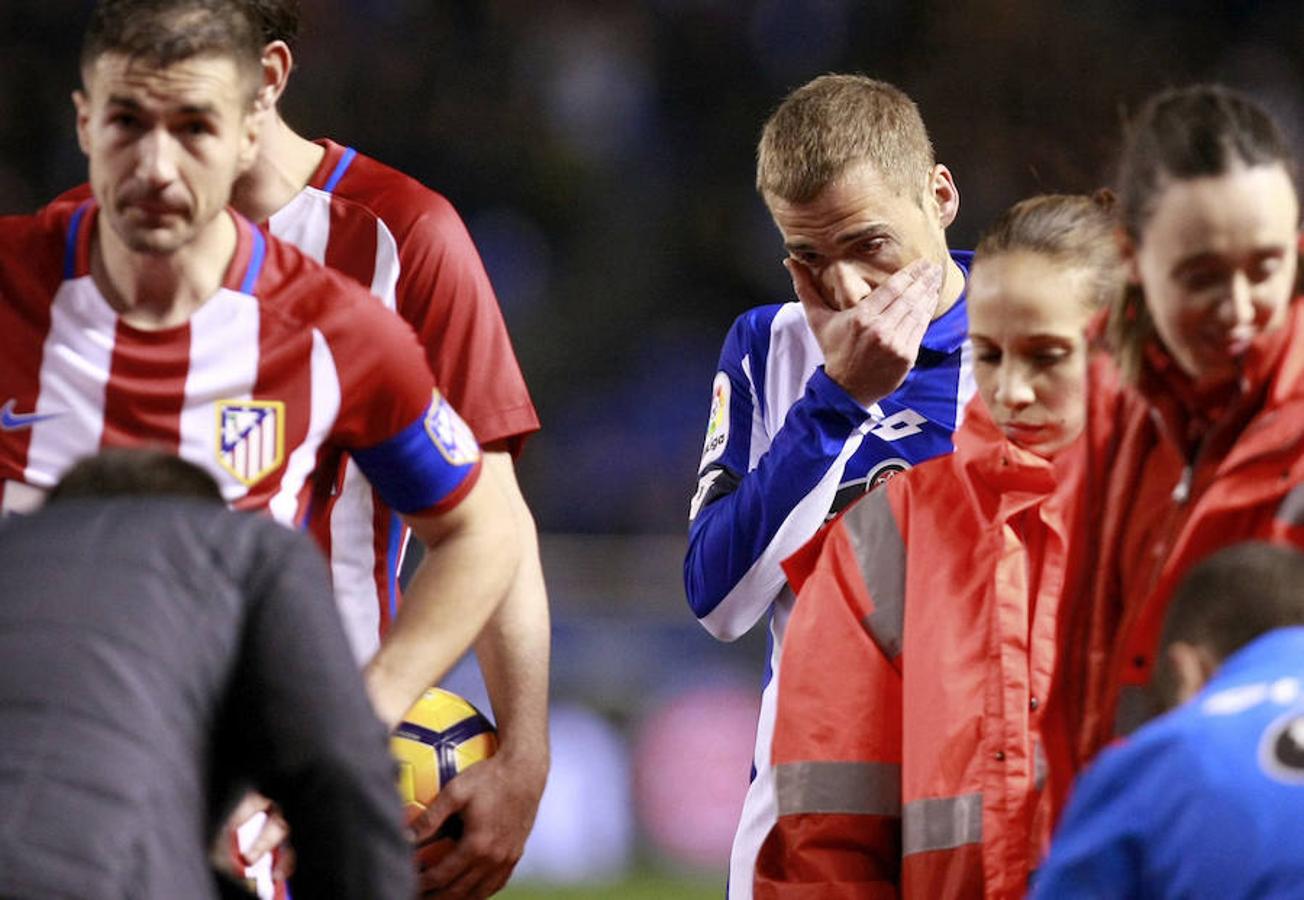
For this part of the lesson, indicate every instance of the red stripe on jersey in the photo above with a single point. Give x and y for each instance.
(147, 388)
(25, 292)
(323, 493)
(351, 247)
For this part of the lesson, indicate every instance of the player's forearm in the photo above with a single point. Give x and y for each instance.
(460, 583)
(514, 647)
(738, 540)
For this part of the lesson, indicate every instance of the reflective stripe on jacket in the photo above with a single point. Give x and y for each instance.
(908, 744)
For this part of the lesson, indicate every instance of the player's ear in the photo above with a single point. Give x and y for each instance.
(943, 193)
(82, 104)
(277, 61)
(1192, 667)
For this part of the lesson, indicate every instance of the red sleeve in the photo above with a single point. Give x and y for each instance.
(837, 745)
(445, 294)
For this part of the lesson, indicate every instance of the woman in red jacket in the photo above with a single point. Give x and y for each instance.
(907, 749)
(1210, 444)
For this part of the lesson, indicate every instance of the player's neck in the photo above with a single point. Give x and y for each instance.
(152, 291)
(952, 288)
(286, 161)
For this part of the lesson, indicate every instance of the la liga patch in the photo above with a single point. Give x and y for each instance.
(717, 426)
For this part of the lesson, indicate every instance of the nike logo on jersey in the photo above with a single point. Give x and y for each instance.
(14, 421)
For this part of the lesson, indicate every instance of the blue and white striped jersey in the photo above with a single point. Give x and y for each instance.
(786, 447)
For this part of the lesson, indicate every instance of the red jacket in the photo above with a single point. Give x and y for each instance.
(907, 747)
(1185, 479)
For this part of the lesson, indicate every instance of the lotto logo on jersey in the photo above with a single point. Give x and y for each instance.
(717, 426)
(450, 435)
(899, 425)
(251, 437)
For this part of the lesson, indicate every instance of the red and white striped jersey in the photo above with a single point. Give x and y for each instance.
(409, 246)
(287, 366)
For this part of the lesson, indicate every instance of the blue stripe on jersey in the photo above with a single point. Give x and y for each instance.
(948, 334)
(391, 561)
(70, 247)
(410, 471)
(340, 168)
(257, 253)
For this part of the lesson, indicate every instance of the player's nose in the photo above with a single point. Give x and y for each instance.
(845, 284)
(156, 161)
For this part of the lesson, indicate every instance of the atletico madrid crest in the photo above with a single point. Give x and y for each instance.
(250, 437)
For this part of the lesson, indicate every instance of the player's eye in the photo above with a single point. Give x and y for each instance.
(196, 128)
(988, 357)
(871, 246)
(1049, 357)
(809, 257)
(1265, 267)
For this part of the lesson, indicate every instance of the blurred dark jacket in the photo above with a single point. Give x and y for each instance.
(158, 656)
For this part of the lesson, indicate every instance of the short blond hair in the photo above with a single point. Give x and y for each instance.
(833, 123)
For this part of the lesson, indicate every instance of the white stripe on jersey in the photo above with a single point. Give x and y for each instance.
(353, 560)
(760, 807)
(968, 387)
(794, 356)
(325, 407)
(75, 368)
(305, 222)
(223, 366)
(384, 283)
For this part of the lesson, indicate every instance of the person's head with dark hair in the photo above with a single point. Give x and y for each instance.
(1209, 212)
(121, 472)
(168, 117)
(162, 33)
(278, 20)
(1225, 602)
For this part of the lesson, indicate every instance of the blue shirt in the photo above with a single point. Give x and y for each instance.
(1206, 801)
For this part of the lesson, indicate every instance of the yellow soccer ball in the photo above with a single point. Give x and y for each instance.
(439, 737)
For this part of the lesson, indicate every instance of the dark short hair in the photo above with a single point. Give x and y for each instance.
(165, 32)
(278, 20)
(122, 472)
(1230, 598)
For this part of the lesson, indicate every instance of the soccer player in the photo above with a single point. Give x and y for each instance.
(819, 401)
(152, 314)
(909, 745)
(408, 245)
(1205, 801)
(160, 654)
(1210, 333)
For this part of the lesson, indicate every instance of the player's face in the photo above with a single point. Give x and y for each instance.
(860, 230)
(1216, 261)
(1027, 321)
(164, 145)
